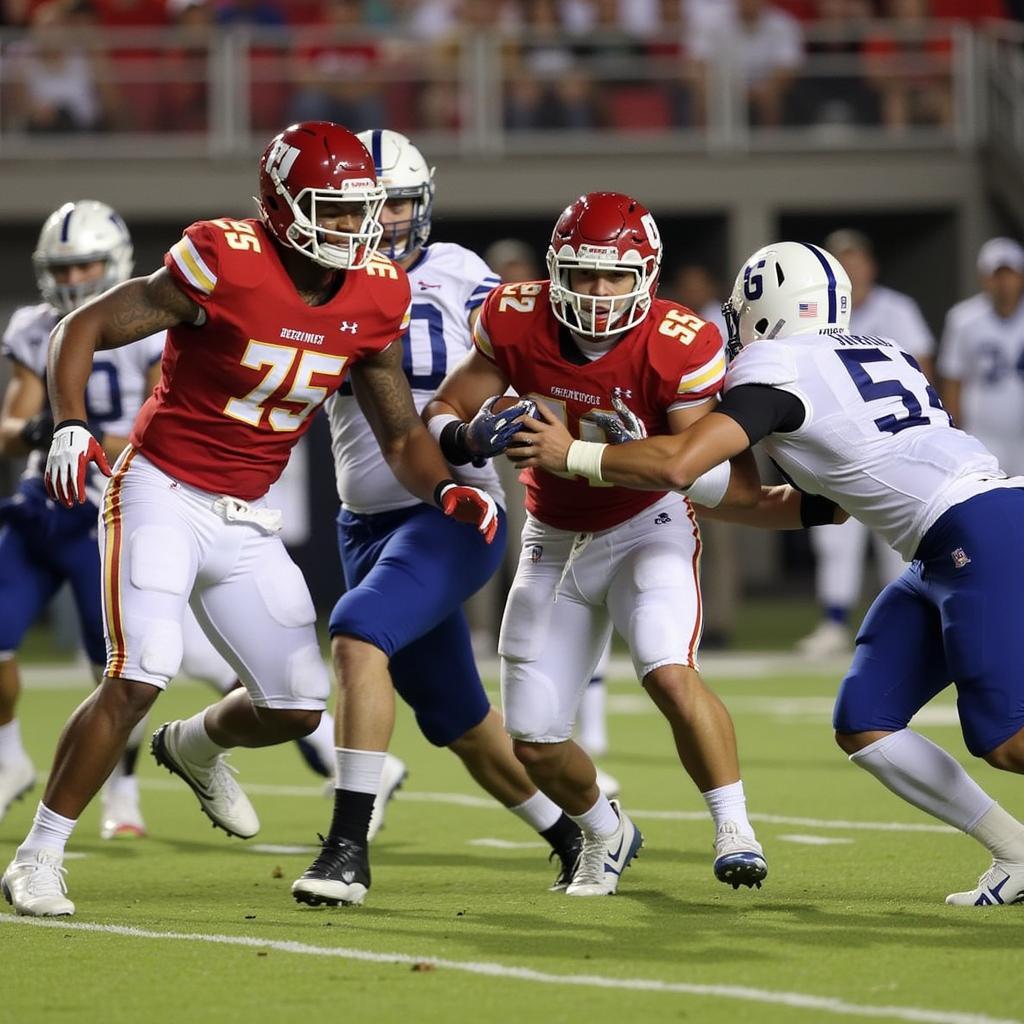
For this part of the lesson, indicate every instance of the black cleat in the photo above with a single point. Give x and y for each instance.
(568, 859)
(339, 875)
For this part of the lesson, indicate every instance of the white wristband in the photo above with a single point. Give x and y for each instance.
(584, 459)
(437, 423)
(710, 487)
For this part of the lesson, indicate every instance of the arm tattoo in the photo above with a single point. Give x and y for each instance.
(381, 388)
(143, 306)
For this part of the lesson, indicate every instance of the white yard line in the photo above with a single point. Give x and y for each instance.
(796, 1000)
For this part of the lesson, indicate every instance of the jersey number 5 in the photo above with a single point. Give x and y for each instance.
(279, 358)
(856, 359)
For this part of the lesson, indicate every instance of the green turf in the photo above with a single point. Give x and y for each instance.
(861, 921)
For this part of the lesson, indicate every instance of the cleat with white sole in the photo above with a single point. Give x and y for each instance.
(1001, 885)
(568, 860)
(602, 861)
(392, 778)
(739, 859)
(827, 640)
(36, 888)
(340, 875)
(120, 817)
(16, 779)
(222, 799)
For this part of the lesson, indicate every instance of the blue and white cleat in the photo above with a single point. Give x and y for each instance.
(602, 861)
(739, 859)
(1001, 885)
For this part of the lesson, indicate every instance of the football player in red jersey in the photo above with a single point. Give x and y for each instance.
(264, 319)
(591, 342)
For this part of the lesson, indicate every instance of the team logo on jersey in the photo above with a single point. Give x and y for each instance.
(622, 392)
(960, 558)
(662, 518)
(350, 326)
(536, 553)
(424, 286)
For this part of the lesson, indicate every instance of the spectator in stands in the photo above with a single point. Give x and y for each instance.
(59, 84)
(548, 89)
(761, 43)
(840, 95)
(981, 357)
(185, 100)
(258, 13)
(909, 64)
(333, 70)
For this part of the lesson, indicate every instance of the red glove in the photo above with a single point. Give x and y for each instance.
(468, 505)
(71, 451)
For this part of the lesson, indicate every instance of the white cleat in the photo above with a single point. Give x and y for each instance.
(36, 887)
(828, 640)
(739, 859)
(120, 817)
(392, 778)
(608, 784)
(222, 799)
(16, 779)
(1003, 883)
(602, 861)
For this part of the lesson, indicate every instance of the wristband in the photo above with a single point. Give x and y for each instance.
(584, 459)
(710, 487)
(441, 488)
(71, 423)
(816, 510)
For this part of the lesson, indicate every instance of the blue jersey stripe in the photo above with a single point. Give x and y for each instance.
(375, 149)
(831, 280)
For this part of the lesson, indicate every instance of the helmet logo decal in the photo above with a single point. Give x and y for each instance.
(753, 286)
(653, 236)
(280, 159)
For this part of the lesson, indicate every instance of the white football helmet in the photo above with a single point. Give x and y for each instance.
(787, 288)
(404, 173)
(81, 232)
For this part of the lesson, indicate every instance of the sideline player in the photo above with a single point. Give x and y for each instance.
(84, 248)
(860, 431)
(264, 318)
(591, 338)
(408, 569)
(839, 550)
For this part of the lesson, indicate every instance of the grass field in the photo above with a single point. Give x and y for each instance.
(189, 926)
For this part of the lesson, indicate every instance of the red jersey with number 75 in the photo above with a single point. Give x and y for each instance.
(670, 360)
(236, 393)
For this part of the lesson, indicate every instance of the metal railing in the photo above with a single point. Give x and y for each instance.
(163, 93)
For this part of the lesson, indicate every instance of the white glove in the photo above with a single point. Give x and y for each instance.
(71, 451)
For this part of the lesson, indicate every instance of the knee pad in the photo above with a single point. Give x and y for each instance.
(286, 595)
(524, 626)
(159, 559)
(161, 648)
(529, 702)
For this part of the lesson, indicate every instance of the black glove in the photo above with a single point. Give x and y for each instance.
(37, 432)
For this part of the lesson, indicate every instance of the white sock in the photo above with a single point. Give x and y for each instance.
(122, 785)
(137, 735)
(11, 749)
(539, 812)
(593, 732)
(728, 803)
(49, 831)
(1001, 834)
(194, 743)
(927, 777)
(359, 771)
(322, 740)
(600, 821)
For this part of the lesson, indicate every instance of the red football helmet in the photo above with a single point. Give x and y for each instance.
(604, 231)
(319, 162)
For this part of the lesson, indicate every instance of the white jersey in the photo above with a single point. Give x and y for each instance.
(986, 354)
(116, 387)
(887, 313)
(875, 438)
(448, 282)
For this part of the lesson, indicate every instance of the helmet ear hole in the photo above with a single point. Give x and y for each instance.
(762, 325)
